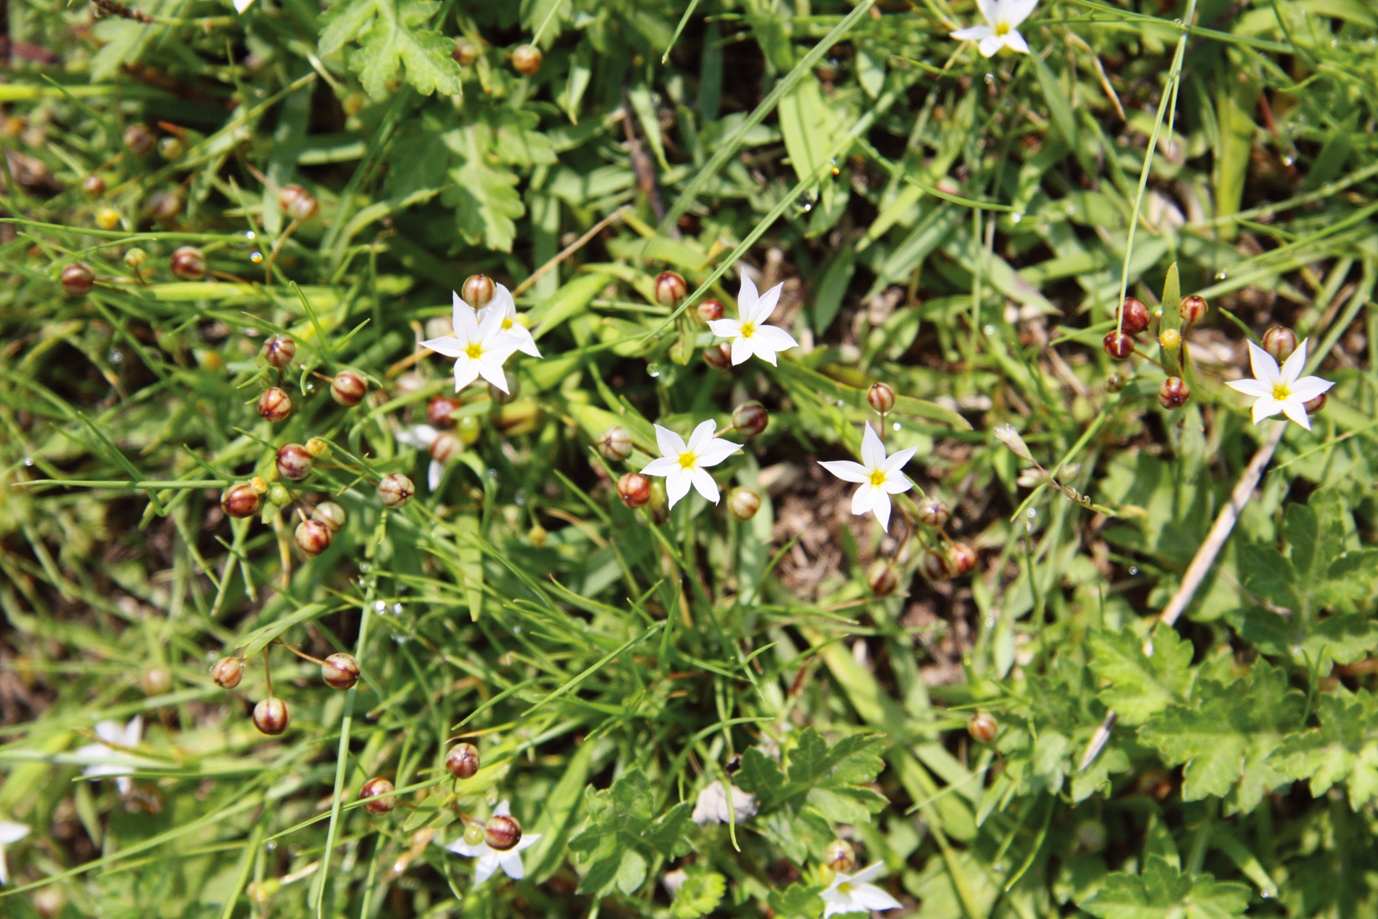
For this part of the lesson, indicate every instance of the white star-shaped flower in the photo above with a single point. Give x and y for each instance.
(684, 465)
(1004, 18)
(711, 805)
(1284, 390)
(241, 5)
(503, 304)
(102, 760)
(479, 347)
(10, 832)
(490, 859)
(749, 332)
(421, 436)
(851, 893)
(879, 476)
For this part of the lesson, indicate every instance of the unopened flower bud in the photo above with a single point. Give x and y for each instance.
(93, 186)
(882, 578)
(171, 149)
(139, 139)
(1008, 436)
(240, 500)
(881, 397)
(468, 428)
(274, 405)
(271, 716)
(983, 727)
(163, 204)
(1193, 309)
(502, 832)
(78, 279)
(1313, 406)
(446, 447)
(330, 514)
(840, 856)
(1134, 317)
(1280, 343)
(155, 681)
(462, 761)
(503, 398)
(313, 537)
(477, 290)
(718, 356)
(396, 490)
(439, 411)
(962, 557)
(297, 203)
(371, 794)
(1118, 345)
(616, 443)
(1173, 393)
(537, 535)
(135, 258)
(278, 495)
(710, 310)
(934, 565)
(279, 351)
(932, 512)
(750, 418)
(227, 672)
(1170, 339)
(1091, 835)
(188, 264)
(526, 60)
(634, 489)
(465, 52)
(670, 288)
(473, 834)
(318, 448)
(107, 218)
(1115, 383)
(743, 503)
(340, 670)
(348, 388)
(293, 462)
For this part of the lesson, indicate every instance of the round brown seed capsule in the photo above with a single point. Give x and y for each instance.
(1134, 316)
(1193, 309)
(371, 794)
(78, 279)
(934, 565)
(1280, 343)
(293, 462)
(881, 397)
(882, 578)
(1118, 345)
(227, 672)
(750, 418)
(155, 681)
(465, 53)
(710, 310)
(330, 514)
(279, 351)
(983, 727)
(240, 500)
(396, 490)
(297, 203)
(670, 288)
(462, 761)
(139, 139)
(616, 443)
(171, 148)
(274, 405)
(164, 204)
(962, 557)
(933, 513)
(840, 856)
(313, 537)
(743, 503)
(271, 716)
(634, 489)
(1313, 406)
(478, 290)
(348, 388)
(502, 832)
(526, 60)
(340, 670)
(93, 186)
(188, 264)
(439, 410)
(1173, 393)
(718, 356)
(446, 447)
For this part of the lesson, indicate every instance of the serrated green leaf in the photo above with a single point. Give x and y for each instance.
(392, 36)
(484, 197)
(1140, 686)
(1303, 535)
(762, 777)
(699, 895)
(1163, 892)
(795, 900)
(1343, 749)
(1268, 575)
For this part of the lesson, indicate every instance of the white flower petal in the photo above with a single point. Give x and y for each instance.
(897, 461)
(466, 372)
(420, 436)
(1015, 42)
(869, 873)
(1015, 12)
(725, 328)
(864, 499)
(460, 847)
(702, 433)
(881, 508)
(872, 450)
(1293, 409)
(1266, 407)
(490, 368)
(847, 471)
(1264, 367)
(704, 484)
(762, 350)
(512, 866)
(747, 296)
(1308, 388)
(741, 351)
(715, 451)
(765, 305)
(466, 322)
(677, 484)
(448, 346)
(1295, 364)
(241, 5)
(869, 897)
(1256, 388)
(670, 443)
(662, 466)
(13, 832)
(990, 45)
(487, 864)
(777, 338)
(974, 33)
(895, 483)
(110, 732)
(434, 473)
(504, 808)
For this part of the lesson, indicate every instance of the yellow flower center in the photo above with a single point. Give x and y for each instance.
(748, 328)
(844, 887)
(687, 460)
(1281, 392)
(1002, 29)
(474, 351)
(506, 323)
(877, 478)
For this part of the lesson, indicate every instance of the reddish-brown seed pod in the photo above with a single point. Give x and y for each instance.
(271, 716)
(227, 672)
(1313, 406)
(932, 512)
(750, 418)
(634, 489)
(1135, 316)
(139, 139)
(1193, 309)
(78, 279)
(93, 186)
(396, 490)
(1118, 345)
(616, 443)
(983, 727)
(882, 578)
(330, 514)
(710, 310)
(670, 288)
(279, 351)
(478, 290)
(1280, 343)
(371, 794)
(934, 565)
(188, 264)
(526, 60)
(743, 503)
(962, 557)
(240, 500)
(164, 204)
(348, 388)
(297, 203)
(718, 356)
(446, 447)
(313, 537)
(465, 52)
(439, 411)
(881, 397)
(274, 405)
(502, 832)
(462, 761)
(293, 462)
(1173, 393)
(340, 670)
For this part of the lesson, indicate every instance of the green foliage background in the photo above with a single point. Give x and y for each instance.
(957, 227)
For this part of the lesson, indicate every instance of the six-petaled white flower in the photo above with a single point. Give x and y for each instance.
(10, 832)
(1285, 390)
(479, 347)
(749, 332)
(851, 893)
(684, 465)
(421, 436)
(879, 476)
(711, 805)
(503, 304)
(490, 859)
(103, 759)
(1004, 18)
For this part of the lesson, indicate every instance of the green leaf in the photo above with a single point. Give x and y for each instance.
(518, 140)
(1303, 535)
(1140, 686)
(808, 126)
(484, 197)
(699, 895)
(631, 871)
(762, 777)
(1163, 892)
(391, 35)
(796, 900)
(669, 834)
(1268, 575)
(1343, 749)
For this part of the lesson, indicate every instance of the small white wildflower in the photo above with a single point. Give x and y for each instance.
(421, 436)
(503, 304)
(103, 760)
(749, 333)
(684, 465)
(479, 348)
(879, 476)
(10, 832)
(851, 893)
(1004, 18)
(241, 5)
(490, 859)
(1285, 390)
(711, 805)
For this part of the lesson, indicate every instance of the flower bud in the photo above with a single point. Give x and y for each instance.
(348, 388)
(1008, 436)
(502, 398)
(1170, 339)
(139, 139)
(446, 447)
(526, 60)
(1091, 835)
(340, 670)
(616, 443)
(330, 514)
(373, 789)
(313, 537)
(297, 203)
(1280, 343)
(278, 495)
(840, 856)
(1134, 316)
(538, 535)
(163, 204)
(881, 397)
(710, 310)
(188, 264)
(439, 410)
(465, 52)
(670, 288)
(1313, 406)
(1115, 383)
(271, 716)
(77, 279)
(718, 356)
(473, 834)
(634, 489)
(240, 500)
(135, 258)
(1118, 345)
(1193, 309)
(477, 290)
(462, 761)
(932, 512)
(294, 463)
(155, 681)
(983, 727)
(962, 558)
(934, 565)
(396, 490)
(274, 405)
(750, 418)
(171, 149)
(468, 428)
(1173, 393)
(279, 351)
(107, 218)
(882, 578)
(227, 672)
(743, 503)
(502, 832)
(93, 186)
